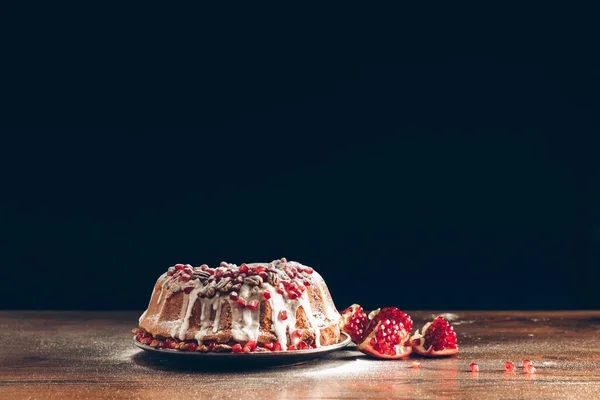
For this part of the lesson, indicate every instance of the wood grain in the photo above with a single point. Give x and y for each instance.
(89, 355)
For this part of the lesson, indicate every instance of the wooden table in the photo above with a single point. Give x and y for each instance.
(90, 355)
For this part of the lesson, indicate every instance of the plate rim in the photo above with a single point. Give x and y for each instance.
(288, 353)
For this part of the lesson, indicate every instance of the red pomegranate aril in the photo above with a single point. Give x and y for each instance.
(234, 296)
(306, 282)
(292, 347)
(283, 315)
(266, 295)
(508, 366)
(192, 347)
(474, 367)
(237, 348)
(277, 346)
(292, 295)
(179, 267)
(302, 345)
(269, 346)
(260, 269)
(253, 305)
(246, 349)
(263, 275)
(297, 333)
(251, 344)
(243, 269)
(219, 273)
(241, 302)
(308, 270)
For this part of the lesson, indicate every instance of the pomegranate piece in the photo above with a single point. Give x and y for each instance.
(354, 322)
(386, 335)
(269, 346)
(437, 338)
(282, 315)
(474, 367)
(277, 346)
(266, 295)
(246, 349)
(509, 367)
(192, 347)
(241, 302)
(292, 347)
(243, 269)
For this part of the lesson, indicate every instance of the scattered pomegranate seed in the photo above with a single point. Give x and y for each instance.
(282, 315)
(263, 275)
(237, 348)
(234, 296)
(260, 269)
(297, 333)
(241, 302)
(474, 367)
(529, 369)
(219, 273)
(510, 367)
(415, 364)
(308, 270)
(246, 349)
(253, 304)
(277, 346)
(179, 267)
(252, 345)
(188, 289)
(292, 295)
(306, 282)
(266, 295)
(192, 347)
(292, 347)
(269, 346)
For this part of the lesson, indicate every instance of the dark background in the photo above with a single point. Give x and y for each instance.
(428, 178)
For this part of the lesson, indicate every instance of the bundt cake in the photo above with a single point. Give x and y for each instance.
(277, 306)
